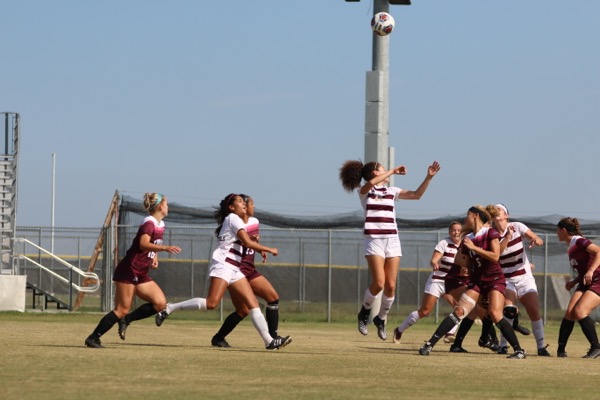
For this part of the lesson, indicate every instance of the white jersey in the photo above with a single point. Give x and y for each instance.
(380, 211)
(230, 247)
(448, 250)
(513, 260)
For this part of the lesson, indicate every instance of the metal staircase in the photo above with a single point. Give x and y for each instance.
(9, 151)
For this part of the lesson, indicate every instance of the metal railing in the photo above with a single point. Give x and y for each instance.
(74, 279)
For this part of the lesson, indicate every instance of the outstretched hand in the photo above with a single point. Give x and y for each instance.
(433, 169)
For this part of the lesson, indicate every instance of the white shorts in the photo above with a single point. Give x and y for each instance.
(227, 272)
(435, 288)
(385, 247)
(521, 284)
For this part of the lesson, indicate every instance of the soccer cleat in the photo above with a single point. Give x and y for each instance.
(397, 335)
(122, 328)
(519, 354)
(380, 324)
(93, 341)
(488, 344)
(161, 316)
(561, 354)
(279, 342)
(502, 350)
(426, 349)
(457, 349)
(218, 342)
(542, 351)
(363, 321)
(522, 330)
(592, 353)
(449, 338)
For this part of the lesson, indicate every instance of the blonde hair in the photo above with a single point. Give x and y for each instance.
(152, 200)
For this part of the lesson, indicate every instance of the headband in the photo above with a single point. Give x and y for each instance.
(481, 214)
(159, 199)
(503, 207)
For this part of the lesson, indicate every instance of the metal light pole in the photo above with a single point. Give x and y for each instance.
(377, 96)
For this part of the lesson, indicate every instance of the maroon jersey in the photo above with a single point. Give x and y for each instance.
(247, 263)
(484, 270)
(137, 261)
(580, 259)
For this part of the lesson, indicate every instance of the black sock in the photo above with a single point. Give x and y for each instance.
(272, 317)
(486, 327)
(589, 330)
(566, 327)
(105, 324)
(516, 321)
(493, 334)
(509, 333)
(463, 329)
(445, 326)
(229, 325)
(144, 311)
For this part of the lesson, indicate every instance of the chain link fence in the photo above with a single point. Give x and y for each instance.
(320, 275)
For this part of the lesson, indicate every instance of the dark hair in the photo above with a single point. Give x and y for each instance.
(223, 211)
(571, 225)
(245, 197)
(353, 172)
(483, 212)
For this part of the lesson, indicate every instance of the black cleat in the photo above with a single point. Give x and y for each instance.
(397, 335)
(363, 321)
(426, 349)
(519, 354)
(380, 324)
(218, 342)
(592, 353)
(488, 344)
(93, 341)
(502, 350)
(161, 316)
(561, 354)
(122, 328)
(457, 349)
(522, 330)
(279, 342)
(543, 352)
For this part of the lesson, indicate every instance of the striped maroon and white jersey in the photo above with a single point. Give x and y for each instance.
(513, 259)
(448, 250)
(380, 211)
(230, 247)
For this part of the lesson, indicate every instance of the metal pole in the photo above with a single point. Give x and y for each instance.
(377, 97)
(52, 203)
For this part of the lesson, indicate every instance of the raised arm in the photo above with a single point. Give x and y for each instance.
(432, 170)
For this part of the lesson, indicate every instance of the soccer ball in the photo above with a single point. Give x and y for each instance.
(382, 23)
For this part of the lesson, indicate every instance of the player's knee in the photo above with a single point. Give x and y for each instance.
(510, 312)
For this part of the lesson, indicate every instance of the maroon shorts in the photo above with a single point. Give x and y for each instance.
(454, 282)
(484, 287)
(249, 271)
(126, 275)
(594, 287)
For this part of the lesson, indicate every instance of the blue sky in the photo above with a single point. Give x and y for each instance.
(197, 99)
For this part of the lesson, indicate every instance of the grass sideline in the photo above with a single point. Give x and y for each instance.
(43, 356)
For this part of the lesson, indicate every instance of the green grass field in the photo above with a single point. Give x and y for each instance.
(43, 357)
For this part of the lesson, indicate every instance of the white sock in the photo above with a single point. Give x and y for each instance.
(369, 299)
(386, 304)
(409, 321)
(197, 303)
(260, 323)
(538, 332)
(453, 330)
